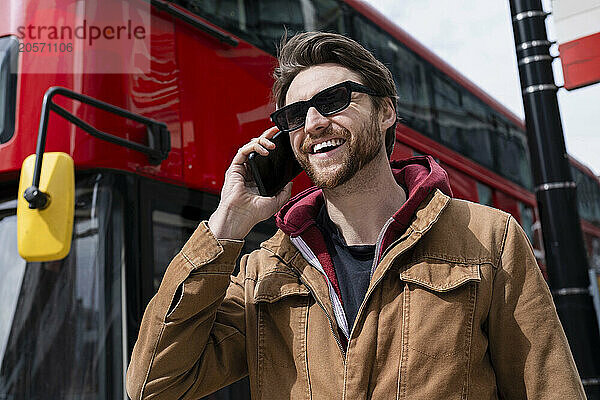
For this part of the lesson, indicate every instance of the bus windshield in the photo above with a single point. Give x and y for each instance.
(61, 323)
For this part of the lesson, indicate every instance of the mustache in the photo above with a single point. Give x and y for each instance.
(328, 132)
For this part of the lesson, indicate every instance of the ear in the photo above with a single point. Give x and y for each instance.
(388, 114)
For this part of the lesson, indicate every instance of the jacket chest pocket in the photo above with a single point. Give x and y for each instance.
(282, 304)
(438, 310)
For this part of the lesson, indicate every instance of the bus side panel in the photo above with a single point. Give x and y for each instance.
(154, 94)
(507, 203)
(401, 151)
(463, 186)
(224, 102)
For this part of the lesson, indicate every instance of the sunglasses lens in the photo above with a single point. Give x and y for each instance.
(279, 120)
(333, 100)
(327, 102)
(290, 117)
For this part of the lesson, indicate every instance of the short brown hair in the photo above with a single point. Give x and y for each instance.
(313, 48)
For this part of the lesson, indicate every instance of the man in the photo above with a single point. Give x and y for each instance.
(377, 285)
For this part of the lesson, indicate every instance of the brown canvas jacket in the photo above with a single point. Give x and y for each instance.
(457, 309)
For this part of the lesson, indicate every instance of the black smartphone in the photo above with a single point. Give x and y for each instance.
(272, 172)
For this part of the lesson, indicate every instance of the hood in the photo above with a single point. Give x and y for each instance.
(419, 175)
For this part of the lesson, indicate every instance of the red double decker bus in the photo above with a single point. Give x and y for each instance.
(67, 327)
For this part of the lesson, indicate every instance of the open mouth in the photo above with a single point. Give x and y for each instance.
(327, 146)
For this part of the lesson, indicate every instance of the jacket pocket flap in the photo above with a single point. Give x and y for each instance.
(276, 285)
(440, 276)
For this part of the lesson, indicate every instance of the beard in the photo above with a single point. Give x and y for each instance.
(361, 149)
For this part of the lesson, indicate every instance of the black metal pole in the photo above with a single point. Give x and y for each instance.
(556, 192)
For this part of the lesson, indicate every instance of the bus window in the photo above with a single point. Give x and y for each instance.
(407, 69)
(594, 272)
(273, 17)
(175, 212)
(595, 254)
(61, 324)
(523, 164)
(512, 154)
(588, 195)
(414, 103)
(484, 193)
(584, 204)
(382, 45)
(527, 221)
(228, 14)
(450, 113)
(169, 232)
(477, 141)
(8, 86)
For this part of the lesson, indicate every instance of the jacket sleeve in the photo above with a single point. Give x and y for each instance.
(192, 336)
(528, 347)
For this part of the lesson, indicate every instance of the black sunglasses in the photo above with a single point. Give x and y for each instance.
(327, 102)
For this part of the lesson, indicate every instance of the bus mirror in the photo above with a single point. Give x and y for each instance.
(44, 234)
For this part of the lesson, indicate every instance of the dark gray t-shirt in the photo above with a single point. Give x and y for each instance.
(352, 265)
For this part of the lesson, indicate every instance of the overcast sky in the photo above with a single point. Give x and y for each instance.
(475, 37)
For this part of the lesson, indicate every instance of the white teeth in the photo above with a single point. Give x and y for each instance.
(332, 142)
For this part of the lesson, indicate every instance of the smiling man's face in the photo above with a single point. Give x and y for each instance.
(331, 149)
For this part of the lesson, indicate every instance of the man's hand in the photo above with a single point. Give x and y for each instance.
(241, 206)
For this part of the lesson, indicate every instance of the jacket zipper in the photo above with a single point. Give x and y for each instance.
(339, 343)
(378, 245)
(394, 243)
(373, 266)
(368, 294)
(312, 292)
(362, 305)
(336, 304)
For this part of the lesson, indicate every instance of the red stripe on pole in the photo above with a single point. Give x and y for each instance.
(581, 61)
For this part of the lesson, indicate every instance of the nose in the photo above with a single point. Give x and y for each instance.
(315, 122)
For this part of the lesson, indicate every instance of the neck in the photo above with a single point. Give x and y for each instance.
(361, 206)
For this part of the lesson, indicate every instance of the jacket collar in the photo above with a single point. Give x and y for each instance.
(425, 217)
(321, 286)
(428, 192)
(420, 175)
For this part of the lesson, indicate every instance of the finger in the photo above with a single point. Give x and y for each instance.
(257, 147)
(263, 141)
(266, 143)
(242, 154)
(269, 133)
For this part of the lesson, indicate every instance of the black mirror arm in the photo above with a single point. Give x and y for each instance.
(159, 137)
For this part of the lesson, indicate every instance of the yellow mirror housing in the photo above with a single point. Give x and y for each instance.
(45, 234)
